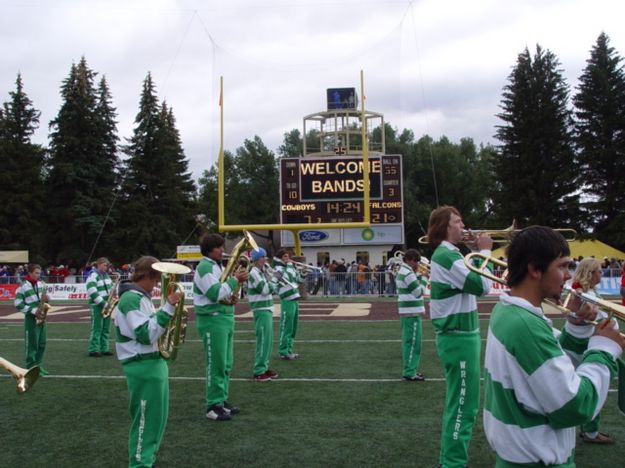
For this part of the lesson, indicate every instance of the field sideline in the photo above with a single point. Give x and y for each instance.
(342, 404)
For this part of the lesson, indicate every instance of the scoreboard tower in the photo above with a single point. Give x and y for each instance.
(326, 185)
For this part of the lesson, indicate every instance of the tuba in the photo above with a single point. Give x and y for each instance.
(26, 378)
(176, 330)
(237, 262)
(113, 298)
(43, 308)
(394, 263)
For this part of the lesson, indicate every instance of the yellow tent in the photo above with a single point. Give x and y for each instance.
(585, 248)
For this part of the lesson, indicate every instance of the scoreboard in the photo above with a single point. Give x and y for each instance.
(330, 189)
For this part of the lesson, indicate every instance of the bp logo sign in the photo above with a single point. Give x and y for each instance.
(367, 234)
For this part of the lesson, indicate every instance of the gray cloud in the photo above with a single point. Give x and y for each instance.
(436, 67)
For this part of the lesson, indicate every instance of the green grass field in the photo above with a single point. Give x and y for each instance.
(341, 404)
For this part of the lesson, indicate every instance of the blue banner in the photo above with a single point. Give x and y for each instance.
(610, 286)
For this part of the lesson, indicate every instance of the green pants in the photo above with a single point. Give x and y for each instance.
(263, 326)
(217, 334)
(460, 355)
(411, 331)
(289, 316)
(148, 394)
(100, 329)
(34, 341)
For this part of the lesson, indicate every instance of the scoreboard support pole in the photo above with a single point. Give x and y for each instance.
(295, 228)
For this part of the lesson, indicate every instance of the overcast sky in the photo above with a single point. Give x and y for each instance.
(434, 66)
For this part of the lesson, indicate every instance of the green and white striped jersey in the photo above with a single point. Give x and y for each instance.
(288, 285)
(138, 326)
(454, 287)
(98, 286)
(410, 290)
(534, 397)
(208, 290)
(259, 290)
(27, 297)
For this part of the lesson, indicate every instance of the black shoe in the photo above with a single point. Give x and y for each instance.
(95, 354)
(107, 353)
(415, 378)
(231, 409)
(218, 413)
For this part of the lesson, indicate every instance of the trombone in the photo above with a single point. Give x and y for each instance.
(613, 310)
(302, 267)
(502, 236)
(26, 378)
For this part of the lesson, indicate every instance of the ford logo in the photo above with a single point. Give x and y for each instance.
(313, 236)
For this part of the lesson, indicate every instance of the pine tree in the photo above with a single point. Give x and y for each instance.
(158, 195)
(600, 138)
(81, 182)
(536, 166)
(21, 178)
(258, 193)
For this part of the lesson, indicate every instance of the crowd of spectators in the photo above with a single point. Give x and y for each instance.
(334, 278)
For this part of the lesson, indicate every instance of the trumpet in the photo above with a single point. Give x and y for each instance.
(502, 236)
(26, 378)
(175, 333)
(397, 259)
(613, 310)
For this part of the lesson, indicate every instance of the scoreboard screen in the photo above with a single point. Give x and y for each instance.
(330, 190)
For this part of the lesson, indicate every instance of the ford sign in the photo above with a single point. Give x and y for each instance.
(313, 236)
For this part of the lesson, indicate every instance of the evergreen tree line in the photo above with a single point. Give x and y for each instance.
(559, 162)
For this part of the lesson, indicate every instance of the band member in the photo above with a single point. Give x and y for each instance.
(534, 395)
(99, 287)
(138, 328)
(28, 297)
(410, 289)
(260, 290)
(453, 309)
(215, 324)
(288, 280)
(577, 333)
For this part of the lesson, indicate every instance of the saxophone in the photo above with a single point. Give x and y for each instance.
(175, 332)
(237, 262)
(43, 308)
(113, 298)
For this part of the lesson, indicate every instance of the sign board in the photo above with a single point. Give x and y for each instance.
(330, 190)
(188, 252)
(13, 256)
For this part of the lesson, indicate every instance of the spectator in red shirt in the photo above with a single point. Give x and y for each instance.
(62, 272)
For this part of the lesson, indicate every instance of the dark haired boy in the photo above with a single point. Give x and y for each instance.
(534, 396)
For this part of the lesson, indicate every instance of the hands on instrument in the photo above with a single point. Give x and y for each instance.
(241, 276)
(583, 312)
(174, 297)
(607, 329)
(480, 242)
